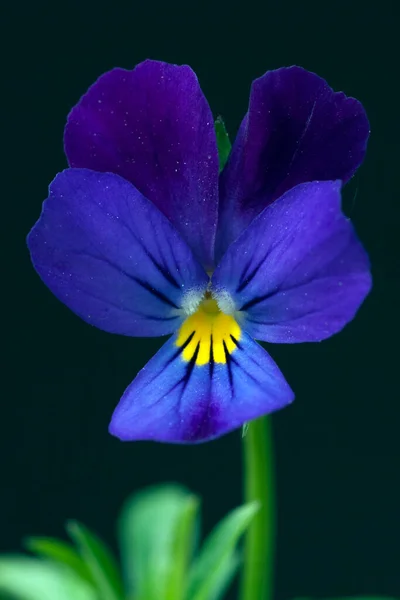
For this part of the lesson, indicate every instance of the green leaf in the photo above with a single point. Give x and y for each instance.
(223, 142)
(99, 560)
(157, 532)
(226, 573)
(32, 579)
(61, 552)
(212, 563)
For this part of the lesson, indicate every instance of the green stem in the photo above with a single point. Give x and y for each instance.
(257, 577)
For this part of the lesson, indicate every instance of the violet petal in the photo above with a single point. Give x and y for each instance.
(111, 256)
(175, 400)
(298, 273)
(154, 127)
(296, 130)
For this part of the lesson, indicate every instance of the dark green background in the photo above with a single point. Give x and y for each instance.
(337, 446)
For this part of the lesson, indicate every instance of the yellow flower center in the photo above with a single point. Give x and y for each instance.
(209, 335)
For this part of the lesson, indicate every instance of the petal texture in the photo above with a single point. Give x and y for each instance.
(175, 399)
(296, 130)
(154, 127)
(111, 256)
(298, 273)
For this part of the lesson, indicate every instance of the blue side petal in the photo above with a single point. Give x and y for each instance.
(298, 273)
(111, 256)
(173, 399)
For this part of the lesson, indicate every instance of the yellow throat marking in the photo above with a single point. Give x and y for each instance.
(210, 332)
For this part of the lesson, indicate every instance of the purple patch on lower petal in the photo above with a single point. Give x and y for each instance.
(154, 127)
(296, 130)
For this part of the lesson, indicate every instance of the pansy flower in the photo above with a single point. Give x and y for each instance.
(142, 236)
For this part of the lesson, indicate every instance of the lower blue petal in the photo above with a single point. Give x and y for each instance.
(174, 399)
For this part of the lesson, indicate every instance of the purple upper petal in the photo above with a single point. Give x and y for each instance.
(298, 273)
(154, 127)
(111, 256)
(296, 130)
